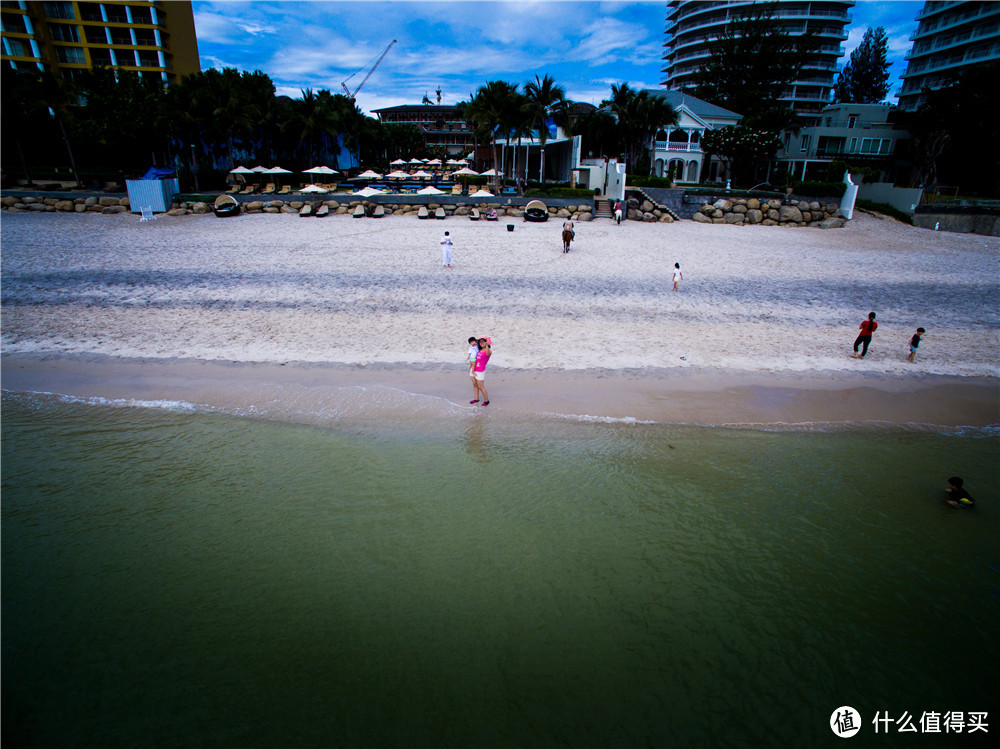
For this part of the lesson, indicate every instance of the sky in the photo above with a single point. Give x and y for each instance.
(459, 45)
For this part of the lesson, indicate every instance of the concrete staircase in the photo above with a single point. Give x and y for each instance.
(602, 208)
(667, 200)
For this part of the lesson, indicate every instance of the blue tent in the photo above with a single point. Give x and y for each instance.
(158, 172)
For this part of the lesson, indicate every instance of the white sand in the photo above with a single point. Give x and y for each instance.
(279, 288)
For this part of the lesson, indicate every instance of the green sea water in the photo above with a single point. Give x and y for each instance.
(177, 578)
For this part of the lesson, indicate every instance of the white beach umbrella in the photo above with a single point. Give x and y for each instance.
(466, 172)
(321, 170)
(398, 162)
(481, 194)
(452, 162)
(434, 162)
(415, 162)
(490, 173)
(260, 169)
(314, 188)
(398, 175)
(241, 170)
(422, 173)
(430, 190)
(369, 174)
(368, 192)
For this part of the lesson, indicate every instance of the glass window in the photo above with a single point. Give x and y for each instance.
(120, 36)
(58, 10)
(854, 146)
(100, 57)
(804, 144)
(62, 32)
(140, 14)
(14, 24)
(91, 12)
(145, 37)
(885, 146)
(148, 59)
(96, 34)
(72, 55)
(852, 121)
(19, 48)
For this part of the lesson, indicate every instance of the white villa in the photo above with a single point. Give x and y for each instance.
(679, 146)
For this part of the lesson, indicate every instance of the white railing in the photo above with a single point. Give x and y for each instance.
(663, 145)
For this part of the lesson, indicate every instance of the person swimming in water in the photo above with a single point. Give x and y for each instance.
(956, 495)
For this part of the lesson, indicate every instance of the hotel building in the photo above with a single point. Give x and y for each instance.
(153, 39)
(440, 125)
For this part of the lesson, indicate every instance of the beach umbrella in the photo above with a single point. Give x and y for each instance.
(465, 171)
(422, 173)
(481, 194)
(434, 162)
(398, 175)
(416, 162)
(321, 170)
(430, 190)
(241, 170)
(491, 173)
(369, 174)
(398, 162)
(368, 192)
(314, 188)
(451, 162)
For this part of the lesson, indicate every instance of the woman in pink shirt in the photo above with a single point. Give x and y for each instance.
(479, 370)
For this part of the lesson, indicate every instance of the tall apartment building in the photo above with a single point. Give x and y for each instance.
(693, 26)
(154, 39)
(950, 38)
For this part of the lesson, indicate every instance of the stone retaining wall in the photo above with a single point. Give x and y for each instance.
(742, 211)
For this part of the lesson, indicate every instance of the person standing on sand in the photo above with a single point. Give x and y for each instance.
(867, 327)
(470, 358)
(568, 233)
(914, 343)
(678, 276)
(479, 381)
(446, 245)
(618, 212)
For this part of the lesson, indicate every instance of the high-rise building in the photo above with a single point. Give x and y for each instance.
(950, 37)
(154, 39)
(694, 25)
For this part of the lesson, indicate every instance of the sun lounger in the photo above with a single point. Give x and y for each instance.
(456, 189)
(285, 190)
(439, 213)
(359, 212)
(248, 189)
(225, 206)
(233, 189)
(306, 210)
(322, 211)
(474, 214)
(379, 212)
(422, 212)
(268, 190)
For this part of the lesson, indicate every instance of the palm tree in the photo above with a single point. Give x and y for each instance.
(312, 116)
(546, 101)
(490, 111)
(639, 116)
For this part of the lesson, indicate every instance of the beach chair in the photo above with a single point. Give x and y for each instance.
(233, 190)
(268, 190)
(306, 210)
(323, 210)
(285, 190)
(456, 189)
(439, 213)
(359, 212)
(378, 212)
(147, 213)
(474, 214)
(248, 189)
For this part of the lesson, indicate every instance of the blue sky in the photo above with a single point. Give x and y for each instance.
(459, 45)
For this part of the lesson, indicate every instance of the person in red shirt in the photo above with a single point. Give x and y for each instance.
(868, 327)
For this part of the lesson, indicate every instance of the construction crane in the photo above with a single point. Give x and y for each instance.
(343, 84)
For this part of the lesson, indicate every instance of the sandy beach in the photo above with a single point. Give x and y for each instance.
(223, 311)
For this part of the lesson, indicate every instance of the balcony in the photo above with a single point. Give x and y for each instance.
(663, 145)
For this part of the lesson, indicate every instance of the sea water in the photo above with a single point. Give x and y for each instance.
(174, 578)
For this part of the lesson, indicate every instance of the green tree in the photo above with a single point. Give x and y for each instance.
(739, 146)
(753, 61)
(865, 78)
(599, 132)
(639, 116)
(545, 101)
(491, 111)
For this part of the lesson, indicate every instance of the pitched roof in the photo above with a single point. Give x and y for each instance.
(697, 106)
